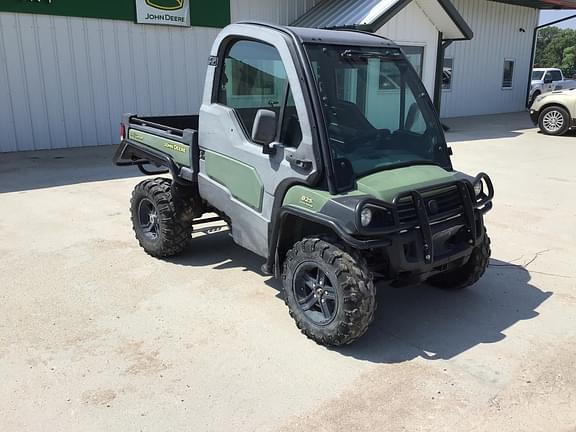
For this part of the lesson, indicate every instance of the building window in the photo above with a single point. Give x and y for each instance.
(389, 76)
(508, 77)
(447, 71)
(415, 55)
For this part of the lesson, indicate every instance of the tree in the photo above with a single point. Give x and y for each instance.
(569, 61)
(556, 48)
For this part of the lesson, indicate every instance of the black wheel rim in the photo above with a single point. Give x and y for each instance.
(148, 219)
(315, 293)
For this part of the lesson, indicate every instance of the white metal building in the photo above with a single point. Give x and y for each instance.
(66, 77)
(419, 26)
(502, 34)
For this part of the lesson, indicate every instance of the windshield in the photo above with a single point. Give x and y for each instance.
(378, 113)
(537, 75)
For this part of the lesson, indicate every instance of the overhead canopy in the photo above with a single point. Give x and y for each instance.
(370, 15)
(542, 4)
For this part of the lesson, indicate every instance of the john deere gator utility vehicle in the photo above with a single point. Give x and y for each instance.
(323, 153)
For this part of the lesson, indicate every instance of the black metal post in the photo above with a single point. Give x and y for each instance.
(533, 53)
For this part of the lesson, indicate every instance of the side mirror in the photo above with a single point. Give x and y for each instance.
(344, 172)
(547, 80)
(264, 128)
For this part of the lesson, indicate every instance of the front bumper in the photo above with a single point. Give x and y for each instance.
(431, 245)
(534, 115)
(411, 259)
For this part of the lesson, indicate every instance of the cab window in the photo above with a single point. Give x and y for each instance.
(253, 78)
(291, 132)
(554, 75)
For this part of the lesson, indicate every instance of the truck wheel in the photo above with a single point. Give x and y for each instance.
(469, 273)
(554, 120)
(158, 227)
(329, 292)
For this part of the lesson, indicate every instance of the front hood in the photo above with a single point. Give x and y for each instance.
(385, 185)
(542, 99)
(566, 92)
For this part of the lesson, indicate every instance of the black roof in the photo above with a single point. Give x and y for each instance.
(341, 37)
(333, 37)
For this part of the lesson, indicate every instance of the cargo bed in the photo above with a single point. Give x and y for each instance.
(168, 141)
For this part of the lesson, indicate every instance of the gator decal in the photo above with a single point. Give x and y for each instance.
(240, 179)
(178, 151)
(311, 199)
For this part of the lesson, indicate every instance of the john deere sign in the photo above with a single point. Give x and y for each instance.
(167, 12)
(199, 13)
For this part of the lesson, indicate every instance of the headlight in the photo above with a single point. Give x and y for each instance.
(374, 217)
(478, 188)
(365, 217)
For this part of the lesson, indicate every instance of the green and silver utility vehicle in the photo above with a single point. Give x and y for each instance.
(323, 153)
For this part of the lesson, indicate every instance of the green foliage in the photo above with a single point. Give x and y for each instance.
(557, 48)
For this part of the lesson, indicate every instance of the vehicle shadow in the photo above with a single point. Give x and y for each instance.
(567, 135)
(434, 324)
(411, 322)
(218, 250)
(51, 168)
(487, 127)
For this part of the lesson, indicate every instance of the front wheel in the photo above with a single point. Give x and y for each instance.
(468, 274)
(329, 292)
(554, 120)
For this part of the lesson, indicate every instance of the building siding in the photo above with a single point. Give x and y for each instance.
(65, 81)
(479, 63)
(275, 11)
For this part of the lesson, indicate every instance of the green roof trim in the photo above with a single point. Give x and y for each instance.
(541, 4)
(107, 9)
(213, 13)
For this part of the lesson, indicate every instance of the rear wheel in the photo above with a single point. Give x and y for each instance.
(160, 229)
(554, 120)
(329, 292)
(468, 274)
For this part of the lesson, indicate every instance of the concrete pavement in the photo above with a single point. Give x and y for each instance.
(95, 335)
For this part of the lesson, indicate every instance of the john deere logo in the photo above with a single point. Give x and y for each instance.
(167, 5)
(167, 12)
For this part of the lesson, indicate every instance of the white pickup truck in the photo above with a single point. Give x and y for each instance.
(545, 80)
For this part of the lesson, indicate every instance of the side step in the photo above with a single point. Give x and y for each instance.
(208, 230)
